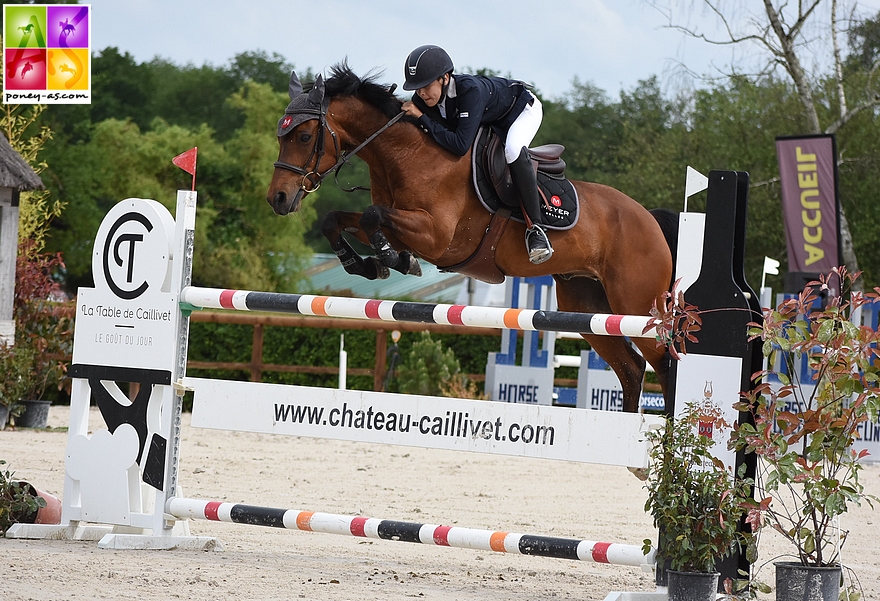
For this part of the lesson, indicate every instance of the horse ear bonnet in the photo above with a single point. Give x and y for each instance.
(316, 95)
(302, 107)
(294, 88)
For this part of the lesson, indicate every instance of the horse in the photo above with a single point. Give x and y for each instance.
(617, 258)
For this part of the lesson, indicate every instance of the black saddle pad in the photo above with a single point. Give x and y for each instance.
(560, 212)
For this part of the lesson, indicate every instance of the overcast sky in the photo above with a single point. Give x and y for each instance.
(610, 43)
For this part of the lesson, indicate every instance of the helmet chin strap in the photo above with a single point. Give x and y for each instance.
(445, 87)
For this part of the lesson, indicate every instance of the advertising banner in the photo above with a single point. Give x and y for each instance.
(808, 175)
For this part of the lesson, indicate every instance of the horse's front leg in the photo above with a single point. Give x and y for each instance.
(371, 221)
(332, 227)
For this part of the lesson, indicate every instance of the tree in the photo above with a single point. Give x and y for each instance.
(190, 96)
(22, 128)
(122, 88)
(864, 42)
(259, 67)
(240, 243)
(785, 33)
(586, 123)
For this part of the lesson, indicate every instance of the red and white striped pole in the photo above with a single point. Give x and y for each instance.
(634, 326)
(429, 534)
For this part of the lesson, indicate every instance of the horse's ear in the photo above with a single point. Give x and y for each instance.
(316, 95)
(294, 87)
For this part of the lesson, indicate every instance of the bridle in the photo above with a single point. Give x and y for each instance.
(312, 179)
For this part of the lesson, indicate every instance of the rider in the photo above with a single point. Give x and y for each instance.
(453, 107)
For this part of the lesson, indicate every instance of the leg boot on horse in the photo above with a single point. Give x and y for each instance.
(526, 183)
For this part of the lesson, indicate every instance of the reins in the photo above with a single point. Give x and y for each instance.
(314, 178)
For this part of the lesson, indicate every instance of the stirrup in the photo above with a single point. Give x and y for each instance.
(538, 245)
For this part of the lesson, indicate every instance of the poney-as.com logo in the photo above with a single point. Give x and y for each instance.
(46, 54)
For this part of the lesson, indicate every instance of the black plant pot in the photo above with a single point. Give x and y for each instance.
(797, 582)
(692, 586)
(34, 415)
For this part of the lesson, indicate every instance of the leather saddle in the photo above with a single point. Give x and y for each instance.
(546, 159)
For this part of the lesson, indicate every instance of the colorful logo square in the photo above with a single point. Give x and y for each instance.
(68, 26)
(46, 54)
(24, 26)
(68, 69)
(25, 69)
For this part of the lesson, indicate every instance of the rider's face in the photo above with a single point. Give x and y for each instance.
(431, 93)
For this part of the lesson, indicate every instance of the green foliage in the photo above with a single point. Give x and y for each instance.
(44, 324)
(694, 500)
(803, 435)
(429, 369)
(864, 39)
(317, 347)
(16, 364)
(144, 115)
(228, 343)
(240, 243)
(259, 67)
(191, 96)
(27, 137)
(18, 501)
(121, 88)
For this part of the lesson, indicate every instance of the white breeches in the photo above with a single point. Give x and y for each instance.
(523, 130)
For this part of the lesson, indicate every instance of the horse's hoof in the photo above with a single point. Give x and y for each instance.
(639, 472)
(414, 267)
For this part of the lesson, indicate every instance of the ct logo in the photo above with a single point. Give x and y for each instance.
(132, 252)
(116, 241)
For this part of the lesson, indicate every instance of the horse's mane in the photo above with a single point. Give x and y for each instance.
(344, 82)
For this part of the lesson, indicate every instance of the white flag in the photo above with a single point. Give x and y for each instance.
(695, 182)
(771, 266)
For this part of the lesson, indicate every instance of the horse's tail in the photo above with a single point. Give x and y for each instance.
(668, 221)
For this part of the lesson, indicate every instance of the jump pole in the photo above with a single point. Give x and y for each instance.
(633, 326)
(428, 534)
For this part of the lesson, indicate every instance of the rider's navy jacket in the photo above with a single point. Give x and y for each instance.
(477, 100)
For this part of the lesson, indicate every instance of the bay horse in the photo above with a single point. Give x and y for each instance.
(616, 259)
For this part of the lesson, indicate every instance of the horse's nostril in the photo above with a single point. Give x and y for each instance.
(280, 198)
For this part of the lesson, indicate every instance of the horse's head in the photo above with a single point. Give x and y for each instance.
(306, 154)
(301, 137)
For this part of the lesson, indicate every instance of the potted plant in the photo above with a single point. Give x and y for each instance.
(802, 433)
(695, 501)
(15, 363)
(44, 333)
(19, 501)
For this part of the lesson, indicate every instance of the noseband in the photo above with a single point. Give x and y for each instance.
(312, 179)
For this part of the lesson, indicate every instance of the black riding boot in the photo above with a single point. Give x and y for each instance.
(523, 175)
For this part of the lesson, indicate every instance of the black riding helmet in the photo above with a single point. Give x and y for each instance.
(424, 65)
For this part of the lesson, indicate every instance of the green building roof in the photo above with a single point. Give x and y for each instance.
(326, 275)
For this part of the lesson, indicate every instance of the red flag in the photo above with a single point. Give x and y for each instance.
(187, 162)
